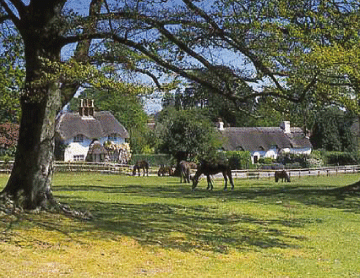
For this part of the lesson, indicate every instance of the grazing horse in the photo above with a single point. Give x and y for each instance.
(210, 168)
(163, 170)
(282, 175)
(141, 164)
(185, 168)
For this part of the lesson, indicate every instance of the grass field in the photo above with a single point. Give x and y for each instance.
(157, 227)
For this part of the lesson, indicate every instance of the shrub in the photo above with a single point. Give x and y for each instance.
(340, 158)
(266, 160)
(152, 159)
(239, 159)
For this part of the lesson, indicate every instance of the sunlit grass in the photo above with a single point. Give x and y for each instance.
(158, 227)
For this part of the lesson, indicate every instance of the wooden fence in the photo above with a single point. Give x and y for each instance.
(322, 171)
(115, 168)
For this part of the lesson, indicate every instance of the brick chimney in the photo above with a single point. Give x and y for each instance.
(86, 108)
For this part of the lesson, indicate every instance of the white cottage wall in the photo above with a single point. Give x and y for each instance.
(76, 148)
(81, 148)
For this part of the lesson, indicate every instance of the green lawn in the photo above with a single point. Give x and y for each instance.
(157, 227)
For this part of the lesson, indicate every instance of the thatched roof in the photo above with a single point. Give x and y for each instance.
(262, 138)
(102, 124)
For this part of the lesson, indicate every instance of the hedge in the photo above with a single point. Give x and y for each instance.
(340, 158)
(152, 159)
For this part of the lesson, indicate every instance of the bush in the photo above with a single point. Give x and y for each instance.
(314, 160)
(340, 158)
(152, 159)
(266, 160)
(239, 160)
(293, 160)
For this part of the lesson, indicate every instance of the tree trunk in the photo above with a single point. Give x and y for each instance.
(31, 176)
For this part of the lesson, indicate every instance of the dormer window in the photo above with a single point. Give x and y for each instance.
(79, 138)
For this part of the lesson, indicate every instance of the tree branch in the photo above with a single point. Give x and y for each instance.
(18, 5)
(82, 50)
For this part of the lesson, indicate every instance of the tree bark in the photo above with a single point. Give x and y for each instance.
(31, 176)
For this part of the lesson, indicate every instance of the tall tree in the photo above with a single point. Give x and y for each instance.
(332, 130)
(186, 134)
(42, 29)
(292, 47)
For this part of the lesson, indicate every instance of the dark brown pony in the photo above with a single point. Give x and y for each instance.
(212, 168)
(185, 168)
(141, 164)
(165, 170)
(282, 175)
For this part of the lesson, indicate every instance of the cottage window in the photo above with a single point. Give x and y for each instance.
(113, 137)
(79, 157)
(79, 138)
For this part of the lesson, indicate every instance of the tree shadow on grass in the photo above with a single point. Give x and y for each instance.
(188, 228)
(200, 226)
(329, 196)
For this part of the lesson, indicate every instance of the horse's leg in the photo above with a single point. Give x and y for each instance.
(187, 177)
(231, 180)
(210, 186)
(195, 181)
(225, 181)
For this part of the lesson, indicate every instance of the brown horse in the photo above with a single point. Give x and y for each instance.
(282, 175)
(165, 170)
(185, 168)
(141, 164)
(210, 168)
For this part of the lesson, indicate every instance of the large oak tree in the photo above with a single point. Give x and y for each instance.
(294, 48)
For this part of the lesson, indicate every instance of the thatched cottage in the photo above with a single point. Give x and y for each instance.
(83, 135)
(264, 142)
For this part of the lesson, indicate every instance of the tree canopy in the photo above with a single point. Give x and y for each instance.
(332, 130)
(186, 134)
(295, 50)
